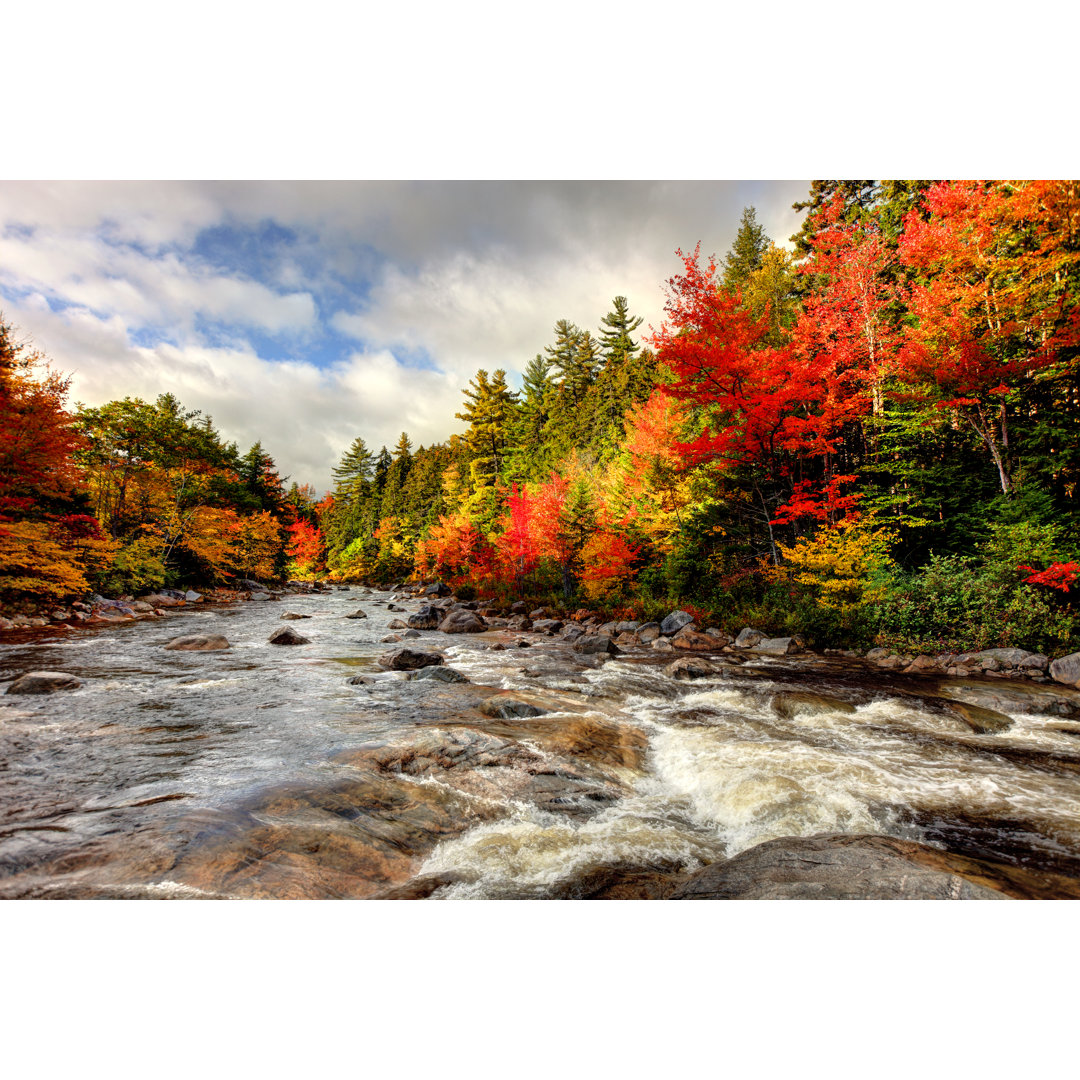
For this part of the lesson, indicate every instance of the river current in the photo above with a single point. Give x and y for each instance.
(262, 771)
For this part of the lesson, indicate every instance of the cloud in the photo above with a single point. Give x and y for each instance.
(305, 314)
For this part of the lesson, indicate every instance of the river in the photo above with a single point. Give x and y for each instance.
(262, 771)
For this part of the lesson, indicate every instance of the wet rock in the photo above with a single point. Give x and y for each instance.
(359, 680)
(357, 614)
(620, 882)
(440, 674)
(498, 646)
(291, 615)
(1066, 670)
(397, 624)
(843, 867)
(198, 643)
(409, 634)
(979, 719)
(627, 640)
(287, 636)
(780, 646)
(571, 632)
(648, 632)
(691, 667)
(161, 600)
(420, 888)
(518, 623)
(794, 703)
(261, 596)
(462, 622)
(748, 638)
(409, 659)
(594, 644)
(662, 644)
(924, 664)
(390, 639)
(44, 682)
(691, 639)
(547, 626)
(427, 618)
(674, 622)
(505, 706)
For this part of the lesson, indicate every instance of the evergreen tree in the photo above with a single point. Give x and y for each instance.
(746, 252)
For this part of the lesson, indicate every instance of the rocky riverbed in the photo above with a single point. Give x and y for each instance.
(351, 743)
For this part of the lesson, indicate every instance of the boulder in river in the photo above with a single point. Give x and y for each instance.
(439, 674)
(462, 622)
(748, 638)
(691, 667)
(199, 643)
(981, 720)
(674, 622)
(1066, 670)
(427, 618)
(291, 615)
(357, 614)
(397, 624)
(505, 706)
(792, 703)
(777, 646)
(409, 659)
(691, 639)
(842, 867)
(44, 682)
(596, 643)
(288, 636)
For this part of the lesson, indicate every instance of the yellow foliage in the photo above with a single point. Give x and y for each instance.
(31, 563)
(258, 541)
(841, 562)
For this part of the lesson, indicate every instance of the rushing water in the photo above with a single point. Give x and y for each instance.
(261, 771)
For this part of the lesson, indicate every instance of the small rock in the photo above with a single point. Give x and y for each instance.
(397, 624)
(44, 682)
(358, 680)
(690, 667)
(198, 643)
(357, 614)
(287, 636)
(293, 615)
(506, 708)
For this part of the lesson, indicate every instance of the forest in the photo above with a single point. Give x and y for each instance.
(870, 438)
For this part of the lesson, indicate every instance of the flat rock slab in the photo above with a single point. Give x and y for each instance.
(843, 867)
(291, 615)
(44, 682)
(440, 674)
(506, 706)
(981, 720)
(199, 643)
(777, 646)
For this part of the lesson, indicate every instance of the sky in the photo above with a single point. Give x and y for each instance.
(304, 314)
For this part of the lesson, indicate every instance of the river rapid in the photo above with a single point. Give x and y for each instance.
(262, 771)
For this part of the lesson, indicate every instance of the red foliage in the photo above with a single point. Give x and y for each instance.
(1056, 575)
(306, 546)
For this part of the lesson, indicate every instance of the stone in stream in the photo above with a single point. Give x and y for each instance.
(409, 659)
(845, 867)
(691, 639)
(691, 667)
(504, 706)
(547, 626)
(287, 636)
(748, 638)
(357, 614)
(199, 643)
(794, 703)
(290, 615)
(439, 674)
(779, 646)
(674, 622)
(648, 632)
(980, 720)
(397, 624)
(44, 682)
(358, 680)
(427, 618)
(462, 622)
(1066, 670)
(596, 643)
